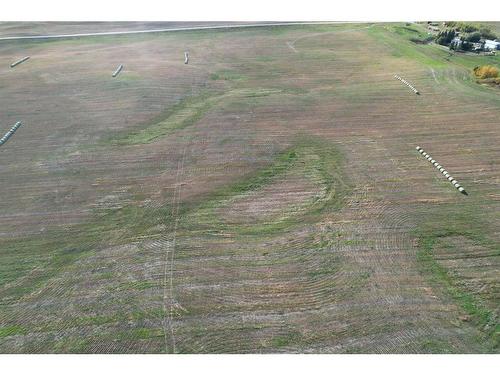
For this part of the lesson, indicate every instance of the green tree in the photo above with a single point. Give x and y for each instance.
(486, 33)
(466, 46)
(445, 37)
(473, 37)
(467, 27)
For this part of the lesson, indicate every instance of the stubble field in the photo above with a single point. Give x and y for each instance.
(266, 197)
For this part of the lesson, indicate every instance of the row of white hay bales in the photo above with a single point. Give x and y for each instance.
(9, 134)
(442, 170)
(407, 84)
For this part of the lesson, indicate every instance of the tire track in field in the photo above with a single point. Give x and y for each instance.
(168, 271)
(433, 72)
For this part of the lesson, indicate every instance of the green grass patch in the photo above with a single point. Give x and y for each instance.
(142, 334)
(28, 262)
(462, 222)
(138, 285)
(399, 45)
(291, 338)
(185, 113)
(435, 347)
(11, 331)
(397, 39)
(326, 165)
(227, 75)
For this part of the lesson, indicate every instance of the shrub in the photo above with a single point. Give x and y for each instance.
(466, 27)
(473, 37)
(486, 71)
(425, 40)
(486, 33)
(466, 46)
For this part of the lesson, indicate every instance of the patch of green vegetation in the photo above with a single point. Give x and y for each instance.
(398, 40)
(401, 46)
(72, 345)
(138, 285)
(440, 58)
(227, 75)
(355, 350)
(483, 30)
(326, 165)
(353, 242)
(98, 320)
(467, 301)
(142, 333)
(11, 331)
(291, 338)
(75, 344)
(185, 113)
(435, 347)
(28, 262)
(465, 223)
(412, 33)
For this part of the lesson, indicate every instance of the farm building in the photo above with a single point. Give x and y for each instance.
(456, 42)
(477, 46)
(491, 45)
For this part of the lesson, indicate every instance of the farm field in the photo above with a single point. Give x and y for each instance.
(19, 29)
(267, 197)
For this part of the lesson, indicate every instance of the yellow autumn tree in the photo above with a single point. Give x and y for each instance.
(486, 71)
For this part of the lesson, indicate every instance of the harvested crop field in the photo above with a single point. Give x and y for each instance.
(267, 197)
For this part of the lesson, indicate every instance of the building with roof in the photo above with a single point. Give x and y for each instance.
(491, 45)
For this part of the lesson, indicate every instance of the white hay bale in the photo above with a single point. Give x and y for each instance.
(19, 61)
(118, 70)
